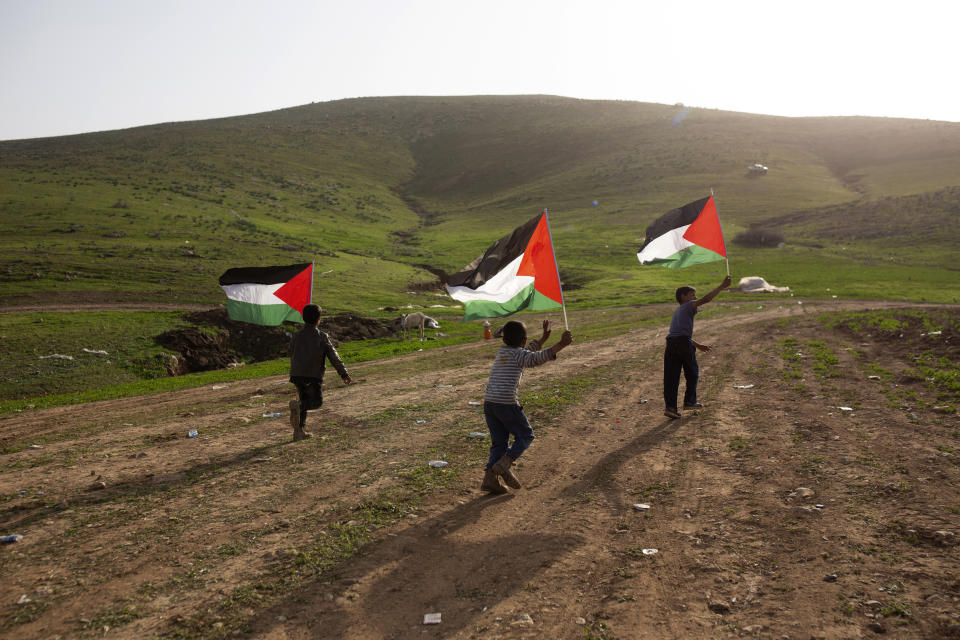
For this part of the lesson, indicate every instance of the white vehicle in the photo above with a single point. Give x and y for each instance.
(757, 169)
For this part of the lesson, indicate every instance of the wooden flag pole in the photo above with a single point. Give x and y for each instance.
(563, 303)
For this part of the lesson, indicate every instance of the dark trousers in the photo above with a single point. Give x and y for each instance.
(310, 394)
(680, 355)
(502, 421)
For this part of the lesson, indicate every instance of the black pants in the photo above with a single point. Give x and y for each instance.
(310, 394)
(680, 355)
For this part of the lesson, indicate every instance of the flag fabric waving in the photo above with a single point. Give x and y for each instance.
(268, 295)
(685, 236)
(518, 272)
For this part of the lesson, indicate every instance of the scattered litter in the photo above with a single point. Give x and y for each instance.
(96, 352)
(35, 446)
(818, 506)
(272, 415)
(126, 424)
(641, 507)
(649, 552)
(934, 333)
(474, 403)
(217, 387)
(444, 386)
(15, 537)
(845, 408)
(743, 386)
(873, 377)
(193, 433)
(59, 356)
(476, 434)
(263, 459)
(431, 618)
(439, 464)
(643, 401)
(421, 421)
(24, 599)
(23, 492)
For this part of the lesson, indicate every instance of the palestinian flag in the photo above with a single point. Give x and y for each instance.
(685, 236)
(268, 295)
(518, 272)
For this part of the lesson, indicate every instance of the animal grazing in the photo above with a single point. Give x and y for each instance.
(417, 320)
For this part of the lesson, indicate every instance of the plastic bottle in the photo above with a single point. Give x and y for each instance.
(192, 433)
(272, 415)
(16, 537)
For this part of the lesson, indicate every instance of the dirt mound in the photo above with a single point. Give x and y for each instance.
(217, 341)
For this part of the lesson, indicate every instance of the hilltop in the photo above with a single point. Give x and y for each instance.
(376, 189)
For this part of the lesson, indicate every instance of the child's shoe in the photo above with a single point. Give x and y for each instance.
(671, 413)
(295, 414)
(502, 468)
(491, 482)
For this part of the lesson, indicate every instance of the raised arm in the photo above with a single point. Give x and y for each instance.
(713, 294)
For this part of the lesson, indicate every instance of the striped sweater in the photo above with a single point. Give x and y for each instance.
(507, 369)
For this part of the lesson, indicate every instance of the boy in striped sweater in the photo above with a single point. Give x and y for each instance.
(501, 407)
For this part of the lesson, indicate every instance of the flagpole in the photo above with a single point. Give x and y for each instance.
(563, 303)
(725, 258)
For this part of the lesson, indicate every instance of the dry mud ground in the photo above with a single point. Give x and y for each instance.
(241, 533)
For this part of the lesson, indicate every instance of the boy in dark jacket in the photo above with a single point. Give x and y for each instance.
(310, 348)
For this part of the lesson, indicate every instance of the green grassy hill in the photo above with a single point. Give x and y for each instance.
(375, 190)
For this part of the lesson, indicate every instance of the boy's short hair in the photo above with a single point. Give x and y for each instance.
(682, 291)
(513, 333)
(311, 313)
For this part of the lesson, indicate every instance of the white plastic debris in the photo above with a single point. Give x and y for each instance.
(443, 386)
(649, 552)
(96, 352)
(217, 387)
(641, 507)
(845, 408)
(439, 464)
(431, 618)
(873, 377)
(58, 356)
(420, 421)
(476, 434)
(474, 403)
(743, 386)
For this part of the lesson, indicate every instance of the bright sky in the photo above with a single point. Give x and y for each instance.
(72, 66)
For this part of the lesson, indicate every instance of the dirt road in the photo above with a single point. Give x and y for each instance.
(799, 503)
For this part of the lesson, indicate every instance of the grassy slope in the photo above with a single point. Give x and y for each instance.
(372, 189)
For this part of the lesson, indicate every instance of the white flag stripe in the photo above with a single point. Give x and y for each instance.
(254, 293)
(666, 245)
(500, 288)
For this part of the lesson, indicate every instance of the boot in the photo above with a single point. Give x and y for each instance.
(491, 482)
(502, 468)
(295, 414)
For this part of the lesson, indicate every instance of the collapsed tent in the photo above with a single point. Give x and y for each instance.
(756, 284)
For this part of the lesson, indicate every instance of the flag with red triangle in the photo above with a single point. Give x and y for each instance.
(685, 236)
(519, 271)
(268, 295)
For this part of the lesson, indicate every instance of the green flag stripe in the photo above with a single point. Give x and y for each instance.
(691, 255)
(528, 298)
(265, 314)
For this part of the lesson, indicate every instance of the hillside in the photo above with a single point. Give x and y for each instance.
(375, 189)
